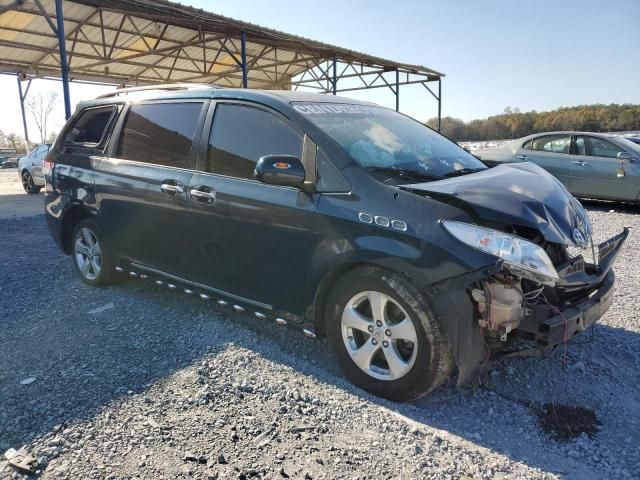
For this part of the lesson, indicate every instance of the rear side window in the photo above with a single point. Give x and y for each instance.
(90, 126)
(159, 133)
(552, 143)
(241, 135)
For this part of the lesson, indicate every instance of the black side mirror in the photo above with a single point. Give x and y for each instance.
(285, 170)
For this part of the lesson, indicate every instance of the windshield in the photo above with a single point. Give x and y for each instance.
(389, 144)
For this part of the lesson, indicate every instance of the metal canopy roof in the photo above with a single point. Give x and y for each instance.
(156, 41)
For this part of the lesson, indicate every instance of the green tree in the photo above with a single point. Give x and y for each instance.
(514, 124)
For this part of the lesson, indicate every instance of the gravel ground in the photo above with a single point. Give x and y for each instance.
(135, 381)
(14, 202)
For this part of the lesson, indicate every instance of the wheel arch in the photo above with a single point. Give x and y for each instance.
(72, 216)
(330, 278)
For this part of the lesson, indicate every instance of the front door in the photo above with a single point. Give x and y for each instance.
(551, 152)
(141, 188)
(249, 240)
(36, 163)
(597, 171)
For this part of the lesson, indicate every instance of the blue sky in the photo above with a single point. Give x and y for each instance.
(495, 53)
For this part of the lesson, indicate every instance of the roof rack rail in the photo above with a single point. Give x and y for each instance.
(164, 87)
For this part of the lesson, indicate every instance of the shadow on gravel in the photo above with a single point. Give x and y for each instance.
(83, 361)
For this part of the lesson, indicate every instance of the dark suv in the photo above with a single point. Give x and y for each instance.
(339, 217)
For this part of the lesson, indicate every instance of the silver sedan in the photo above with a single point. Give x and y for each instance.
(590, 165)
(30, 168)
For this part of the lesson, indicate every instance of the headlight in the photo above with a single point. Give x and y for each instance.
(522, 258)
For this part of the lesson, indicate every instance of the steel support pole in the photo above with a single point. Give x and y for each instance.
(334, 82)
(439, 102)
(64, 66)
(24, 117)
(243, 42)
(397, 90)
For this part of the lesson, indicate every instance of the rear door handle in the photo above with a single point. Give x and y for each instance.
(172, 189)
(580, 163)
(202, 195)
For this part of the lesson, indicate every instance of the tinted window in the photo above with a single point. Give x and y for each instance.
(90, 125)
(596, 147)
(552, 143)
(329, 177)
(242, 134)
(160, 133)
(527, 145)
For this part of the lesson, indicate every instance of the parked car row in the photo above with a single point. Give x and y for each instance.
(590, 165)
(334, 216)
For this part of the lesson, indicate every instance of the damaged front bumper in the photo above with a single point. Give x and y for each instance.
(550, 325)
(586, 290)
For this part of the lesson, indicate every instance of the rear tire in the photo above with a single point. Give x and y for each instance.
(399, 353)
(91, 258)
(29, 184)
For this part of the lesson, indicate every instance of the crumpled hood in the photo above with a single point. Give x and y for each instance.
(517, 194)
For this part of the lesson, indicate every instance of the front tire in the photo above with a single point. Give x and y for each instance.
(91, 258)
(29, 184)
(385, 337)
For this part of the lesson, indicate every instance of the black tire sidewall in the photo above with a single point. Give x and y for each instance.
(106, 275)
(34, 188)
(433, 356)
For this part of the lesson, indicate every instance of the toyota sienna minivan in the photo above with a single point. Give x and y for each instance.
(337, 217)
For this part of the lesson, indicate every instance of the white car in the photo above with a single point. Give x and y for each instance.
(30, 169)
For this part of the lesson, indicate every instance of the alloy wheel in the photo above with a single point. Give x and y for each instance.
(27, 181)
(88, 254)
(379, 335)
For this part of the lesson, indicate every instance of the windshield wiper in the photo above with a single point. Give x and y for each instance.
(463, 171)
(404, 173)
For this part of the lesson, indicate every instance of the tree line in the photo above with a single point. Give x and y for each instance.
(514, 124)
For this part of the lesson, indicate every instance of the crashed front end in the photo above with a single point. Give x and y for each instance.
(548, 281)
(547, 307)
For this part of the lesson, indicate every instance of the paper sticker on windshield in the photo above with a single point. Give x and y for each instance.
(337, 108)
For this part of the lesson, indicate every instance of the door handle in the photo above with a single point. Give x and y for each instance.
(580, 163)
(522, 158)
(172, 189)
(202, 195)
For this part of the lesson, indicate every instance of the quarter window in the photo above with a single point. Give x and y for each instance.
(242, 134)
(160, 133)
(90, 125)
(552, 143)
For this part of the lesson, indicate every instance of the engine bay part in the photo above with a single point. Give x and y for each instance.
(500, 303)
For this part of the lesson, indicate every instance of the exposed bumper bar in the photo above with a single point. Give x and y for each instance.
(554, 329)
(550, 326)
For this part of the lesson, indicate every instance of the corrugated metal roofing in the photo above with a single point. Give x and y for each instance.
(156, 41)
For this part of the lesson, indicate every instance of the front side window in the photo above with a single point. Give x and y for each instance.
(242, 134)
(552, 144)
(37, 152)
(159, 133)
(390, 145)
(42, 151)
(597, 147)
(90, 125)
